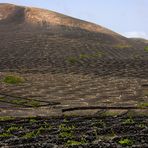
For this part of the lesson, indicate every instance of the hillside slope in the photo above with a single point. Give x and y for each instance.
(43, 40)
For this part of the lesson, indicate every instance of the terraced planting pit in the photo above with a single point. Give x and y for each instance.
(47, 93)
(75, 131)
(24, 102)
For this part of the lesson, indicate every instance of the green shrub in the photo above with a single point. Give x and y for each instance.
(5, 118)
(72, 142)
(66, 135)
(146, 48)
(30, 135)
(32, 121)
(84, 56)
(37, 132)
(129, 121)
(2, 98)
(143, 105)
(65, 128)
(13, 128)
(5, 135)
(126, 142)
(11, 79)
(142, 125)
(66, 131)
(72, 60)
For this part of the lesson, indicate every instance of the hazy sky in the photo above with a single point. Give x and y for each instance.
(127, 17)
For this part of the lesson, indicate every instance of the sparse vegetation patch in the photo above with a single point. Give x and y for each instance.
(5, 118)
(122, 46)
(13, 79)
(72, 60)
(22, 102)
(143, 105)
(77, 59)
(128, 121)
(146, 48)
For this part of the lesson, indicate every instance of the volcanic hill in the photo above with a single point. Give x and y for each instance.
(42, 40)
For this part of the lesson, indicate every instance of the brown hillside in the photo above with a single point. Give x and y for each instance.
(39, 39)
(46, 19)
(42, 17)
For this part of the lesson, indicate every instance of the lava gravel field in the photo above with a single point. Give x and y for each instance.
(75, 132)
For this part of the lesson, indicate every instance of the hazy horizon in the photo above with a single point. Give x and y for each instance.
(128, 17)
